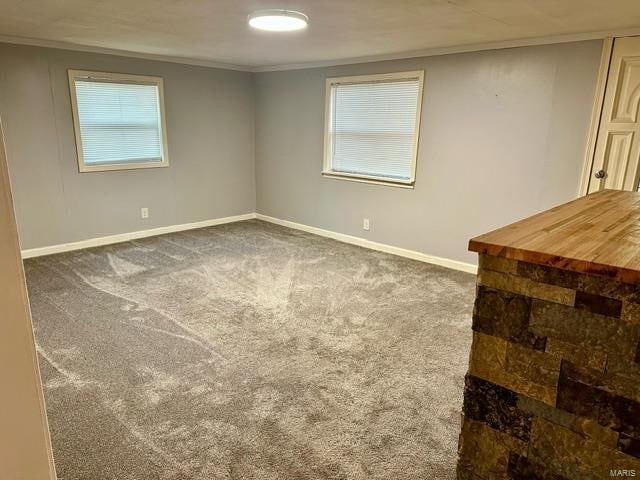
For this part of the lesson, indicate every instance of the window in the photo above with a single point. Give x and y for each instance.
(371, 127)
(119, 121)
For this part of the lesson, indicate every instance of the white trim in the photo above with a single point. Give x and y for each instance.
(352, 177)
(473, 47)
(596, 113)
(381, 247)
(75, 75)
(124, 237)
(199, 62)
(327, 162)
(428, 52)
(341, 237)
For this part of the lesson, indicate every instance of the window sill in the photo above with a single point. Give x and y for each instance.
(367, 179)
(108, 167)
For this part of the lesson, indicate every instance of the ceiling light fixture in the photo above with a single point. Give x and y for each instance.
(278, 20)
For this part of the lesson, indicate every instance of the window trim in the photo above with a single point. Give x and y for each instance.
(327, 170)
(123, 78)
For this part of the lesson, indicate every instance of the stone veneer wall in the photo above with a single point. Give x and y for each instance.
(553, 389)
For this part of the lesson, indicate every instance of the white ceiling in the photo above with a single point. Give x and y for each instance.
(217, 31)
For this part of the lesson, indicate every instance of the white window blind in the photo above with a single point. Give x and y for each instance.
(119, 122)
(372, 127)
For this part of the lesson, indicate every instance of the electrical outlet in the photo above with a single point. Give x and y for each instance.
(144, 212)
(365, 224)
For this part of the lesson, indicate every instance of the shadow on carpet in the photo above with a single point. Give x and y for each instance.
(250, 351)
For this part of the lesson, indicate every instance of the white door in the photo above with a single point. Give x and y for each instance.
(617, 154)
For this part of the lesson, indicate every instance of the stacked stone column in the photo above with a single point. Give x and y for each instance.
(553, 388)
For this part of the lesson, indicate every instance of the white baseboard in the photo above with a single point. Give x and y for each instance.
(382, 247)
(124, 237)
(362, 242)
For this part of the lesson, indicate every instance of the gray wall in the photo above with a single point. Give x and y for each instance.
(210, 115)
(503, 136)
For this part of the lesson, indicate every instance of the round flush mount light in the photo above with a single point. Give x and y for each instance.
(278, 20)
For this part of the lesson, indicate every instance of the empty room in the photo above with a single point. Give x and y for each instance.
(319, 240)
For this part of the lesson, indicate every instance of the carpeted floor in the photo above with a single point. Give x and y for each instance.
(250, 351)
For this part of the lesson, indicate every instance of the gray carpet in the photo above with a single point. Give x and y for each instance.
(250, 351)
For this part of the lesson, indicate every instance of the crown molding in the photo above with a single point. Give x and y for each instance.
(475, 47)
(36, 42)
(429, 52)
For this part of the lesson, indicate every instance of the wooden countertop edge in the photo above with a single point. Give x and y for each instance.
(622, 274)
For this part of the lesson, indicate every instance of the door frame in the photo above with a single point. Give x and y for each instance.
(25, 441)
(596, 114)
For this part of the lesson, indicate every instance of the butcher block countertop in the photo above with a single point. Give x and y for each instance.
(597, 234)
